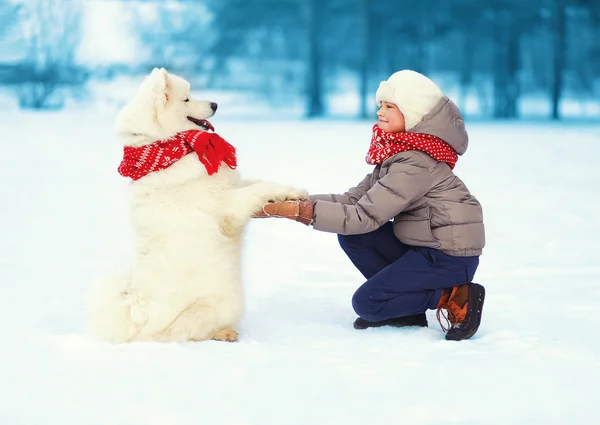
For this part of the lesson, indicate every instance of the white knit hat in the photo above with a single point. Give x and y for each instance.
(413, 93)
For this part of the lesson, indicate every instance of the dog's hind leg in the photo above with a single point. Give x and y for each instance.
(206, 319)
(228, 335)
(109, 311)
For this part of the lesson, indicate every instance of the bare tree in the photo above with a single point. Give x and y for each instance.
(506, 36)
(268, 30)
(173, 33)
(9, 16)
(9, 11)
(560, 37)
(368, 39)
(314, 86)
(51, 30)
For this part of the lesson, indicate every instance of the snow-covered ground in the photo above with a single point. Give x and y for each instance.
(535, 359)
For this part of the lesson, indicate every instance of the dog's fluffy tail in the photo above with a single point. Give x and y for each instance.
(110, 310)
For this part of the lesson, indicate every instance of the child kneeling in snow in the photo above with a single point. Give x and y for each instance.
(426, 256)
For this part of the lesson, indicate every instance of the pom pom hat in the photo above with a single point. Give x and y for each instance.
(413, 93)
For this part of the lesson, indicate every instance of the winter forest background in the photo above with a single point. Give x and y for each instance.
(500, 59)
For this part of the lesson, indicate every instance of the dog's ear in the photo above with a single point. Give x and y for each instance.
(160, 88)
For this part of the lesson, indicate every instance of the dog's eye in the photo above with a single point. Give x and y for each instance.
(186, 99)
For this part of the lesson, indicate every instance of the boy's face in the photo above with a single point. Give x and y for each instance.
(390, 118)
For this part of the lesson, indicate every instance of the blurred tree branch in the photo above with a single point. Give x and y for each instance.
(9, 14)
(49, 33)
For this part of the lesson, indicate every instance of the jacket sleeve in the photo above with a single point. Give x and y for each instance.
(407, 180)
(351, 197)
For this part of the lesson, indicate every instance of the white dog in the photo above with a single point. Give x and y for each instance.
(185, 281)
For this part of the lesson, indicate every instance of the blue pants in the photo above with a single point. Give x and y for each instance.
(402, 280)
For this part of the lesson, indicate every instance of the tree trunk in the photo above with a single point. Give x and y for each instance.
(315, 75)
(500, 77)
(513, 90)
(559, 56)
(506, 67)
(466, 72)
(389, 37)
(365, 61)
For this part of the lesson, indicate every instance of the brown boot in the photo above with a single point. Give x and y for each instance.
(463, 305)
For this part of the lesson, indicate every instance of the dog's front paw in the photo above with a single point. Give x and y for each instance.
(290, 194)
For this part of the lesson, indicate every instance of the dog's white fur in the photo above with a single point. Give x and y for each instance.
(185, 281)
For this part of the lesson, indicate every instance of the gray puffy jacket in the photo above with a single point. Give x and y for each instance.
(430, 206)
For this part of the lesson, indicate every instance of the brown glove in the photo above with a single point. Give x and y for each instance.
(301, 211)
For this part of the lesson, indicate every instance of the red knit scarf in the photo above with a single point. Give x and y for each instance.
(211, 149)
(385, 144)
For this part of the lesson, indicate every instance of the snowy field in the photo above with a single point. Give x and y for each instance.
(535, 359)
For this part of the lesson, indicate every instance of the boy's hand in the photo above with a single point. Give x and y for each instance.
(301, 211)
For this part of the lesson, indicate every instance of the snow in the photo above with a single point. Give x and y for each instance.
(299, 361)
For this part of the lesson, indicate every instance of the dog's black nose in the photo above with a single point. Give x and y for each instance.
(213, 106)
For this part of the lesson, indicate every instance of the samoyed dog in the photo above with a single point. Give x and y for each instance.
(189, 209)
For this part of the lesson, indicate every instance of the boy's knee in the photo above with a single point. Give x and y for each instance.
(364, 306)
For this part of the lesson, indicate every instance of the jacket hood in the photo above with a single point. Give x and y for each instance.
(444, 121)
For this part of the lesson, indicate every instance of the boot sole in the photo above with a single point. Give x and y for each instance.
(474, 313)
(409, 321)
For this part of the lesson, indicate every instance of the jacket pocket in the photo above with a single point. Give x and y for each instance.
(414, 228)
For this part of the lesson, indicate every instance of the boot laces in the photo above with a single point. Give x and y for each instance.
(449, 317)
(439, 314)
(453, 311)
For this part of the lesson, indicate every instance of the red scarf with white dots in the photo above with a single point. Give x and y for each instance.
(212, 151)
(385, 144)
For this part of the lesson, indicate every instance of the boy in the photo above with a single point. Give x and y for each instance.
(411, 227)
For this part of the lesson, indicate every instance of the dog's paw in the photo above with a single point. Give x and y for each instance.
(290, 194)
(228, 335)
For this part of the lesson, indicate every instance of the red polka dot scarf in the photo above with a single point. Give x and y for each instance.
(212, 150)
(385, 144)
